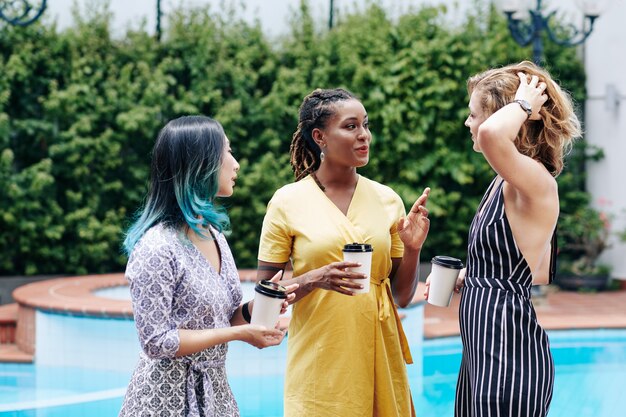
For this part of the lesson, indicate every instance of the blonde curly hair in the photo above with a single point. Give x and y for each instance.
(546, 140)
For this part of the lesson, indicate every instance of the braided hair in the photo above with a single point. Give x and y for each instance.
(315, 110)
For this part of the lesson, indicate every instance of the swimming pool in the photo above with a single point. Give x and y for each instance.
(590, 375)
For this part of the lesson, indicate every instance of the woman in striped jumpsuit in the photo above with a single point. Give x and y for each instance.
(522, 122)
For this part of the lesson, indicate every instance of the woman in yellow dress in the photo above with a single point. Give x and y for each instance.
(346, 351)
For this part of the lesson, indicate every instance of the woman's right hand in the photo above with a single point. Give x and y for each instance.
(260, 336)
(337, 277)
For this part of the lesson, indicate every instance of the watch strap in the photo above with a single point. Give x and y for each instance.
(525, 106)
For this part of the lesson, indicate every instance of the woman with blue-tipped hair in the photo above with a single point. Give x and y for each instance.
(184, 284)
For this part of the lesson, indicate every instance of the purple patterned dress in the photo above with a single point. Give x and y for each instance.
(174, 287)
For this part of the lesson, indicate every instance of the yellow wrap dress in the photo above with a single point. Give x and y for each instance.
(346, 354)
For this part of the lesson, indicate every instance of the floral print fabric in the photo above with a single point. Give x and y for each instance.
(174, 287)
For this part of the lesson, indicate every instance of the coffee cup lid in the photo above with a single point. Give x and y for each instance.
(447, 262)
(357, 247)
(271, 289)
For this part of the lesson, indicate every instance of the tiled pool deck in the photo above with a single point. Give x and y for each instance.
(556, 309)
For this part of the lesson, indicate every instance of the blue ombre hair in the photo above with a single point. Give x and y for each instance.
(184, 179)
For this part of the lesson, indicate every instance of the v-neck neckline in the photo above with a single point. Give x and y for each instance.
(220, 254)
(490, 195)
(332, 203)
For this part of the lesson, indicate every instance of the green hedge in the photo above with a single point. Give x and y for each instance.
(80, 108)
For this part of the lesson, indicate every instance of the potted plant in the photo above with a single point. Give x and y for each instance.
(583, 236)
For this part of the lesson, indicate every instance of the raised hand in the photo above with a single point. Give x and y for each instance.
(533, 92)
(413, 228)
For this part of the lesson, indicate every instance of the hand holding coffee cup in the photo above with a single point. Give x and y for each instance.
(442, 280)
(268, 303)
(261, 337)
(336, 276)
(460, 282)
(360, 253)
(290, 289)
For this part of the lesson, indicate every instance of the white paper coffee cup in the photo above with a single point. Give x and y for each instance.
(361, 253)
(268, 300)
(443, 275)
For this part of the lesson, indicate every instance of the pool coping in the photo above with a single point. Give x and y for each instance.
(76, 295)
(556, 310)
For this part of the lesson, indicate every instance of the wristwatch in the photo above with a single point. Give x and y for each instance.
(525, 106)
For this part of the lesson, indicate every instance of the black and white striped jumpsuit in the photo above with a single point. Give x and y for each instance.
(507, 368)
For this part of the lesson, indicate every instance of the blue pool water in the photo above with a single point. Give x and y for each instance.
(590, 375)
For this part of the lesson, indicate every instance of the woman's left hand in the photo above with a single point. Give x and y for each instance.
(534, 92)
(460, 281)
(290, 291)
(413, 228)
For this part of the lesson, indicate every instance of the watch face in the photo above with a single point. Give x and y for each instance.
(525, 105)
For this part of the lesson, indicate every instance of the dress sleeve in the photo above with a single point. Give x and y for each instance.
(397, 210)
(151, 272)
(276, 237)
